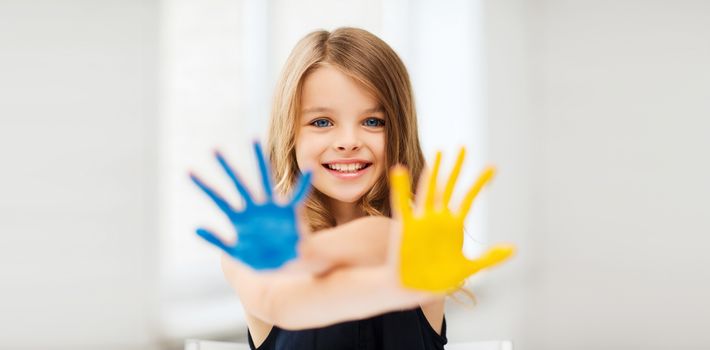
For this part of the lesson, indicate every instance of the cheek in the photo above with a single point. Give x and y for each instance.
(307, 153)
(301, 158)
(378, 148)
(377, 145)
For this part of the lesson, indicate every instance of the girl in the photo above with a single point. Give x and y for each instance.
(344, 110)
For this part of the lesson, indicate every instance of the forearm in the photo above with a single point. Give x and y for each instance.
(299, 301)
(361, 242)
(343, 295)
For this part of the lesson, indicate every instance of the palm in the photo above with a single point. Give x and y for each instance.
(431, 251)
(267, 232)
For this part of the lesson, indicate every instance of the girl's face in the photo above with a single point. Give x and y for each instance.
(341, 135)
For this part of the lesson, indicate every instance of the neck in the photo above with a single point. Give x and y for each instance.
(345, 212)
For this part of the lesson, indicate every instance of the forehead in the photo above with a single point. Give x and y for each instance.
(328, 88)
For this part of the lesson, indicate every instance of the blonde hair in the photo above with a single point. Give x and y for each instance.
(371, 62)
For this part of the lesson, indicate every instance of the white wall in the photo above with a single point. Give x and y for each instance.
(77, 195)
(603, 108)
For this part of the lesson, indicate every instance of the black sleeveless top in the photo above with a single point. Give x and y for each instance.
(407, 329)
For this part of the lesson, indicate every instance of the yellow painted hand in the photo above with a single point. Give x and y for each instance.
(431, 251)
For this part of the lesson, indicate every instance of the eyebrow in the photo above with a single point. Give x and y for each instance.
(330, 110)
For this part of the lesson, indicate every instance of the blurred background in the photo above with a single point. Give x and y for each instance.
(597, 114)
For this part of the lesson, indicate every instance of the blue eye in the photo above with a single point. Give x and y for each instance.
(374, 122)
(321, 123)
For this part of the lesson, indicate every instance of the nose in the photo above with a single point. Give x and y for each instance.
(350, 147)
(348, 140)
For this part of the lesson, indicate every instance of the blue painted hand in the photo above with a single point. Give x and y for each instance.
(267, 233)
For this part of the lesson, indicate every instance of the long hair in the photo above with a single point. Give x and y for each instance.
(372, 63)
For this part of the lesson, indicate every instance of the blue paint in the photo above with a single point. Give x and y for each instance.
(267, 232)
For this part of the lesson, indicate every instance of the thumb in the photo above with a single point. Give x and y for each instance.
(493, 256)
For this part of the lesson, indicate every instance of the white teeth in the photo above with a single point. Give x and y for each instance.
(346, 168)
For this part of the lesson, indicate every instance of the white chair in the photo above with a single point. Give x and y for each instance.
(196, 344)
(481, 345)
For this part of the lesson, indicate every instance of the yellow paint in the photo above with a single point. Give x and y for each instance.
(431, 253)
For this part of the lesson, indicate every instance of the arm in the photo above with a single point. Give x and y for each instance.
(290, 300)
(361, 242)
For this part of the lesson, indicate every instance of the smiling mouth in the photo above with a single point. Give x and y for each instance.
(351, 168)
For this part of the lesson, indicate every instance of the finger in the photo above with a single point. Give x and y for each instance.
(264, 169)
(431, 190)
(400, 192)
(212, 238)
(420, 192)
(243, 191)
(454, 176)
(221, 203)
(304, 184)
(473, 192)
(493, 256)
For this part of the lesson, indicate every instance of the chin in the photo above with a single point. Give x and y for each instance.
(339, 196)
